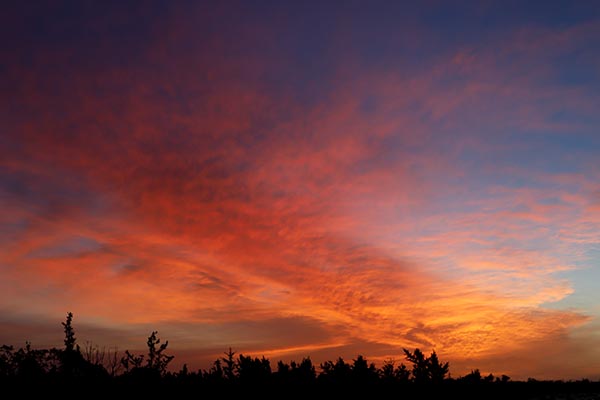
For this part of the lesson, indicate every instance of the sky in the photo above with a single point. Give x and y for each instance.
(296, 179)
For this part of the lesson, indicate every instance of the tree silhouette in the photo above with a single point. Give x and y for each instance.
(215, 374)
(402, 374)
(426, 369)
(30, 363)
(253, 370)
(420, 371)
(389, 373)
(69, 333)
(335, 373)
(437, 370)
(72, 363)
(283, 369)
(363, 372)
(71, 359)
(304, 372)
(157, 360)
(230, 365)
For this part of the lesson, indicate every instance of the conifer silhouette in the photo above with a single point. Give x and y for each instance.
(69, 333)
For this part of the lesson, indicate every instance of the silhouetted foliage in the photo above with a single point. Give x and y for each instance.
(156, 361)
(102, 357)
(6, 361)
(426, 369)
(338, 372)
(73, 365)
(148, 376)
(437, 370)
(363, 372)
(230, 365)
(473, 377)
(303, 373)
(255, 370)
(420, 370)
(389, 373)
(131, 361)
(215, 374)
(32, 364)
(69, 333)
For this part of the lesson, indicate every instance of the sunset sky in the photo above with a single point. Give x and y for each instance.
(302, 178)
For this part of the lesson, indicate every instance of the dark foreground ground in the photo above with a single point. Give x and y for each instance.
(163, 390)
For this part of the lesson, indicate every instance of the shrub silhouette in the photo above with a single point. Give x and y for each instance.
(156, 361)
(30, 364)
(131, 361)
(102, 357)
(473, 377)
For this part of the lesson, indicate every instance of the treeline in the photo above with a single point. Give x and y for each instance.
(100, 368)
(95, 363)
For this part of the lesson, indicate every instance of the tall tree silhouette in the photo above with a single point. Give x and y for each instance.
(420, 371)
(69, 332)
(437, 370)
(71, 359)
(73, 364)
(230, 364)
